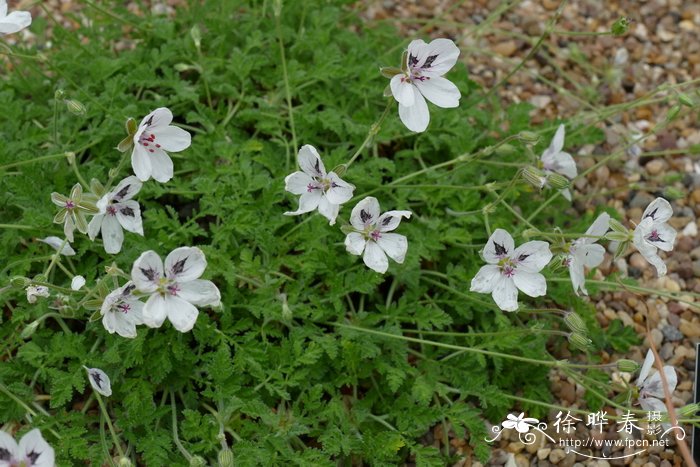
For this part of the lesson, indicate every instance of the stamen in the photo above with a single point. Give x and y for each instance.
(376, 235)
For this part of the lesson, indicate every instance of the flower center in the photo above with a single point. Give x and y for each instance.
(70, 204)
(148, 141)
(111, 210)
(323, 184)
(375, 235)
(124, 307)
(507, 266)
(654, 236)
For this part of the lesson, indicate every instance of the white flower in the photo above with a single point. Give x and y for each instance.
(77, 283)
(32, 451)
(371, 235)
(585, 252)
(176, 290)
(56, 243)
(318, 189)
(422, 79)
(117, 211)
(554, 160)
(651, 390)
(122, 312)
(510, 269)
(520, 423)
(15, 21)
(73, 209)
(156, 135)
(99, 381)
(34, 291)
(653, 233)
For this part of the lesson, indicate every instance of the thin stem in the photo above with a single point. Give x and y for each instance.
(105, 414)
(287, 89)
(176, 438)
(17, 227)
(373, 130)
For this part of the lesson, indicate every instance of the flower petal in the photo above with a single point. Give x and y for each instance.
(499, 245)
(182, 314)
(417, 116)
(658, 210)
(161, 117)
(402, 90)
(129, 216)
(365, 213)
(435, 58)
(307, 203)
(298, 183)
(161, 166)
(394, 245)
(532, 256)
(340, 191)
(199, 292)
(172, 138)
(653, 385)
(15, 22)
(531, 283)
(440, 91)
(390, 220)
(99, 381)
(95, 225)
(147, 271)
(185, 264)
(665, 237)
(112, 234)
(56, 243)
(8, 444)
(578, 277)
(598, 228)
(141, 163)
(591, 255)
(375, 258)
(155, 311)
(646, 367)
(126, 189)
(310, 162)
(355, 243)
(33, 444)
(505, 294)
(486, 279)
(328, 209)
(647, 250)
(77, 282)
(113, 322)
(557, 143)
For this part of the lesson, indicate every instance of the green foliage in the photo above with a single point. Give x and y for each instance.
(272, 369)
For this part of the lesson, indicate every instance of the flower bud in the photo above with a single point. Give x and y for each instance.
(347, 228)
(627, 366)
(617, 226)
(673, 193)
(673, 112)
(29, 329)
(685, 100)
(579, 341)
(59, 94)
(689, 410)
(75, 107)
(575, 323)
(97, 188)
(70, 156)
(340, 169)
(390, 71)
(19, 282)
(40, 278)
(226, 458)
(197, 461)
(131, 126)
(557, 181)
(196, 35)
(528, 137)
(620, 26)
(534, 176)
(125, 462)
(506, 150)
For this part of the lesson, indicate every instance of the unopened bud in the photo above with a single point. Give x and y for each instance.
(673, 193)
(226, 458)
(75, 107)
(125, 462)
(617, 236)
(197, 461)
(19, 282)
(620, 26)
(627, 366)
(196, 35)
(528, 137)
(96, 187)
(40, 278)
(689, 410)
(557, 181)
(59, 94)
(617, 226)
(534, 176)
(340, 169)
(390, 71)
(673, 112)
(506, 150)
(685, 100)
(70, 156)
(579, 341)
(29, 329)
(575, 323)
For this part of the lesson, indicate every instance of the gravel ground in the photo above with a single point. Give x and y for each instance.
(567, 75)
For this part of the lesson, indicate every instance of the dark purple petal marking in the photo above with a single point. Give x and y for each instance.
(317, 166)
(386, 220)
(652, 214)
(33, 456)
(500, 249)
(128, 289)
(5, 455)
(150, 274)
(412, 60)
(127, 211)
(149, 122)
(522, 257)
(365, 216)
(97, 379)
(654, 237)
(122, 193)
(429, 61)
(179, 266)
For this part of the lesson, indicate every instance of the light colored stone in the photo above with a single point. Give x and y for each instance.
(543, 453)
(556, 456)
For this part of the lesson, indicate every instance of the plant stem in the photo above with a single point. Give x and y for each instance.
(287, 90)
(373, 130)
(176, 438)
(105, 414)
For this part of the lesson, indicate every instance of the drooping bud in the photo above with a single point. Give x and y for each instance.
(579, 341)
(19, 282)
(197, 461)
(225, 458)
(575, 322)
(29, 329)
(620, 27)
(617, 236)
(557, 181)
(528, 137)
(534, 176)
(75, 107)
(70, 156)
(627, 366)
(617, 226)
(390, 71)
(196, 35)
(340, 170)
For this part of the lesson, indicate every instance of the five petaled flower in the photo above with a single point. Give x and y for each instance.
(372, 235)
(521, 423)
(510, 269)
(15, 21)
(585, 252)
(154, 136)
(99, 381)
(34, 291)
(121, 311)
(554, 160)
(32, 450)
(176, 289)
(653, 233)
(318, 189)
(651, 391)
(421, 78)
(117, 211)
(73, 210)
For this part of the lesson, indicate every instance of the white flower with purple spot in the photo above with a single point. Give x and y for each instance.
(153, 138)
(35, 291)
(32, 451)
(421, 78)
(585, 252)
(653, 233)
(649, 384)
(176, 289)
(121, 311)
(318, 188)
(15, 21)
(55, 243)
(373, 235)
(117, 211)
(510, 269)
(99, 381)
(555, 160)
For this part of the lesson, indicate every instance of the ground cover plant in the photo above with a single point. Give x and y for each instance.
(171, 296)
